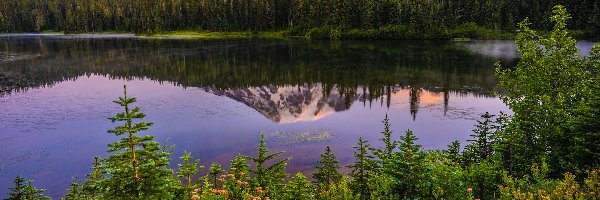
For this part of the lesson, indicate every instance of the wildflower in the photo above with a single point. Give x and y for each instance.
(572, 187)
(267, 198)
(245, 183)
(230, 175)
(196, 190)
(233, 169)
(469, 190)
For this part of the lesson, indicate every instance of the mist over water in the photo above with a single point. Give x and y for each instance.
(213, 98)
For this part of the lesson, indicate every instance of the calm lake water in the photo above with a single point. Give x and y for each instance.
(213, 98)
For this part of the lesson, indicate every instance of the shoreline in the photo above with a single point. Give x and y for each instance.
(245, 35)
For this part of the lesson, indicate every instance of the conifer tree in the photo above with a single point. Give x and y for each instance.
(91, 187)
(138, 169)
(240, 168)
(480, 147)
(238, 177)
(74, 192)
(407, 167)
(298, 188)
(268, 177)
(214, 170)
(25, 191)
(188, 169)
(385, 153)
(453, 151)
(362, 169)
(327, 170)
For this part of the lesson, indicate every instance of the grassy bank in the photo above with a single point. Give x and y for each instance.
(466, 31)
(390, 32)
(401, 32)
(187, 34)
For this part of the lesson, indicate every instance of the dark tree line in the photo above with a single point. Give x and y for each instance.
(421, 16)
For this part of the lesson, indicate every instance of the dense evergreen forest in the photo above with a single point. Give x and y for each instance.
(547, 149)
(374, 19)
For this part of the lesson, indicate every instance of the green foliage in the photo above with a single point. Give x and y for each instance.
(382, 186)
(327, 170)
(338, 190)
(24, 190)
(214, 170)
(268, 177)
(547, 92)
(138, 168)
(240, 168)
(363, 169)
(444, 178)
(484, 178)
(407, 168)
(92, 188)
(453, 152)
(238, 177)
(385, 153)
(298, 188)
(74, 192)
(187, 170)
(481, 145)
(538, 186)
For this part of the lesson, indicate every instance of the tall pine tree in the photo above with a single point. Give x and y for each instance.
(138, 168)
(327, 170)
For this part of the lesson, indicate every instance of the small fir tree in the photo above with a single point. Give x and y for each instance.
(362, 169)
(268, 177)
(91, 187)
(238, 176)
(407, 167)
(24, 190)
(327, 170)
(188, 169)
(214, 170)
(240, 168)
(453, 152)
(75, 192)
(385, 153)
(298, 188)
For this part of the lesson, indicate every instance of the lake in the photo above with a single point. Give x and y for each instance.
(214, 98)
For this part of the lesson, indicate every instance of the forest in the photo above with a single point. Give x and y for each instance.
(337, 19)
(547, 149)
